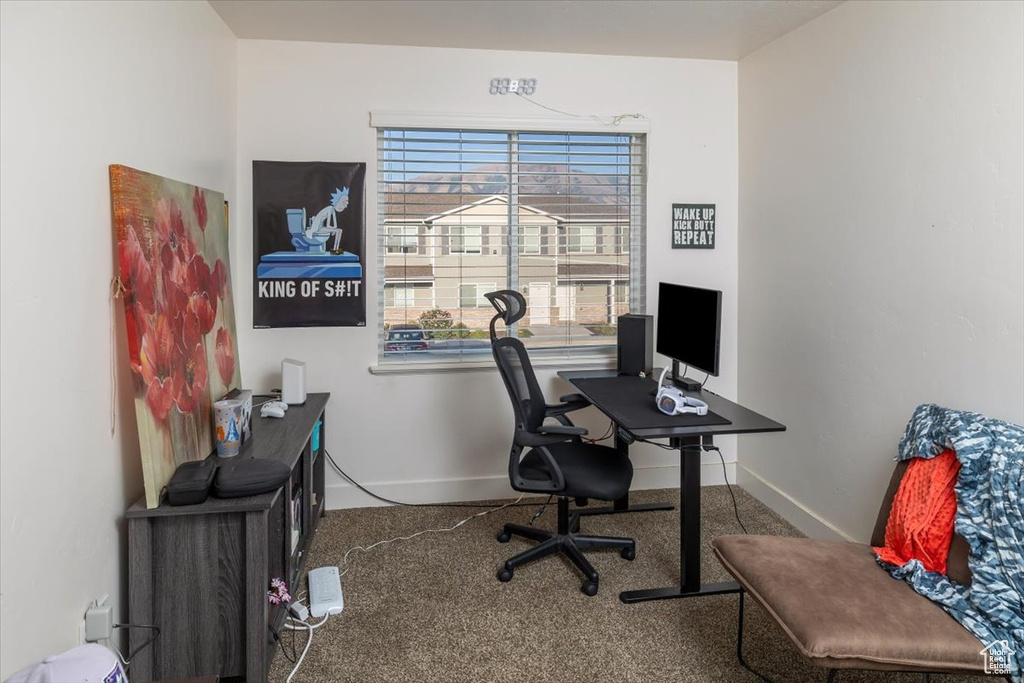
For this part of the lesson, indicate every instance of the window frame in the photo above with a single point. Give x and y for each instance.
(523, 237)
(629, 224)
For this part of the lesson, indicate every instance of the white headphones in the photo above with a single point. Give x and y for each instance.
(672, 401)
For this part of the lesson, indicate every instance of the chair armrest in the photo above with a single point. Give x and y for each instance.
(569, 403)
(568, 430)
(553, 486)
(535, 440)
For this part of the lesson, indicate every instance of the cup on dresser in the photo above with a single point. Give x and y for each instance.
(227, 424)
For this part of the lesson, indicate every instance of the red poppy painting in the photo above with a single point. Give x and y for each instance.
(172, 246)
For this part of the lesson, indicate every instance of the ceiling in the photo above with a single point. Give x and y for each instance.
(696, 29)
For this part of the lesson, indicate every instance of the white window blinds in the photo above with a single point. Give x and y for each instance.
(557, 216)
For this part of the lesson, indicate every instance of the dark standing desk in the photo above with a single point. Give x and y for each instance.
(691, 437)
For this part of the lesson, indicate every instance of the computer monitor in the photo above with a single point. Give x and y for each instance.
(689, 327)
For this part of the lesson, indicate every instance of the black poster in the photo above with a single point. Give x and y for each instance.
(693, 226)
(309, 244)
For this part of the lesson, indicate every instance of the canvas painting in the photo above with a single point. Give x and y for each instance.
(172, 246)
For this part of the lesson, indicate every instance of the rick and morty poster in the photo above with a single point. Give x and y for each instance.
(309, 244)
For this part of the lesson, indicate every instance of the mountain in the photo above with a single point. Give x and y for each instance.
(547, 184)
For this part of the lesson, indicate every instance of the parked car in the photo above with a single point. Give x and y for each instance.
(405, 338)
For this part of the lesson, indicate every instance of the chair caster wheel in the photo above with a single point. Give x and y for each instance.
(589, 588)
(628, 554)
(504, 575)
(503, 537)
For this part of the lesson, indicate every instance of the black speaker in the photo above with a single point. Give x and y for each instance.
(636, 337)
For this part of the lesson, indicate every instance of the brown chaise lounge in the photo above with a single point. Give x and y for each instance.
(843, 611)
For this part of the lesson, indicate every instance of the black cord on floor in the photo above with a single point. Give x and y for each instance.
(290, 658)
(413, 505)
(362, 488)
(295, 650)
(725, 471)
(541, 510)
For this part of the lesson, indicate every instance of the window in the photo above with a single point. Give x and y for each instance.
(399, 295)
(558, 216)
(402, 239)
(529, 239)
(410, 298)
(582, 239)
(471, 295)
(465, 240)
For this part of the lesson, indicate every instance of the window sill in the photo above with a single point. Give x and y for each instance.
(592, 362)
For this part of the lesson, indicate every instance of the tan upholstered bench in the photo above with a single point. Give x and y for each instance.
(842, 610)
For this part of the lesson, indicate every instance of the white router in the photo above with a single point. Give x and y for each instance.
(293, 382)
(325, 592)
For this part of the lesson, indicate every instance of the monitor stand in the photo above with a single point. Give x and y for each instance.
(684, 383)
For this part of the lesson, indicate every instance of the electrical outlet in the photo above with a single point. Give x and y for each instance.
(81, 633)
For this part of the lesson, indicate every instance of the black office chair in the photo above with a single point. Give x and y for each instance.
(557, 461)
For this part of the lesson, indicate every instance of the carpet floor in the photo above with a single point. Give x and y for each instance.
(431, 610)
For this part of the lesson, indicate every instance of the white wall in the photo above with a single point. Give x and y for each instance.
(882, 258)
(84, 85)
(444, 437)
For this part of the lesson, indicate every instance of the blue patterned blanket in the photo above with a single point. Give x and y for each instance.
(989, 515)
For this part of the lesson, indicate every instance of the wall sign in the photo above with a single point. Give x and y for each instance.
(693, 226)
(308, 244)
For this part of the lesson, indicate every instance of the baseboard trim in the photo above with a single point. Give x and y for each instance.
(793, 511)
(345, 495)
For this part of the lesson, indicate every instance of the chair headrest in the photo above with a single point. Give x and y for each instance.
(510, 304)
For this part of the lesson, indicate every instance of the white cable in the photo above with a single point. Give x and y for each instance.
(344, 559)
(615, 120)
(303, 625)
(124, 662)
(309, 641)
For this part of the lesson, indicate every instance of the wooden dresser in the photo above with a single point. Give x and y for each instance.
(201, 572)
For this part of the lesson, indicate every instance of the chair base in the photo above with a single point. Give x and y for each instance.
(562, 541)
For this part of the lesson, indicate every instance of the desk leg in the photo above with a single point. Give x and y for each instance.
(689, 535)
(622, 504)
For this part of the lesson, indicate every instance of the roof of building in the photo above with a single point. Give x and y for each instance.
(543, 188)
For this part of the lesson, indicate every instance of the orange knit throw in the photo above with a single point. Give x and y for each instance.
(920, 523)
